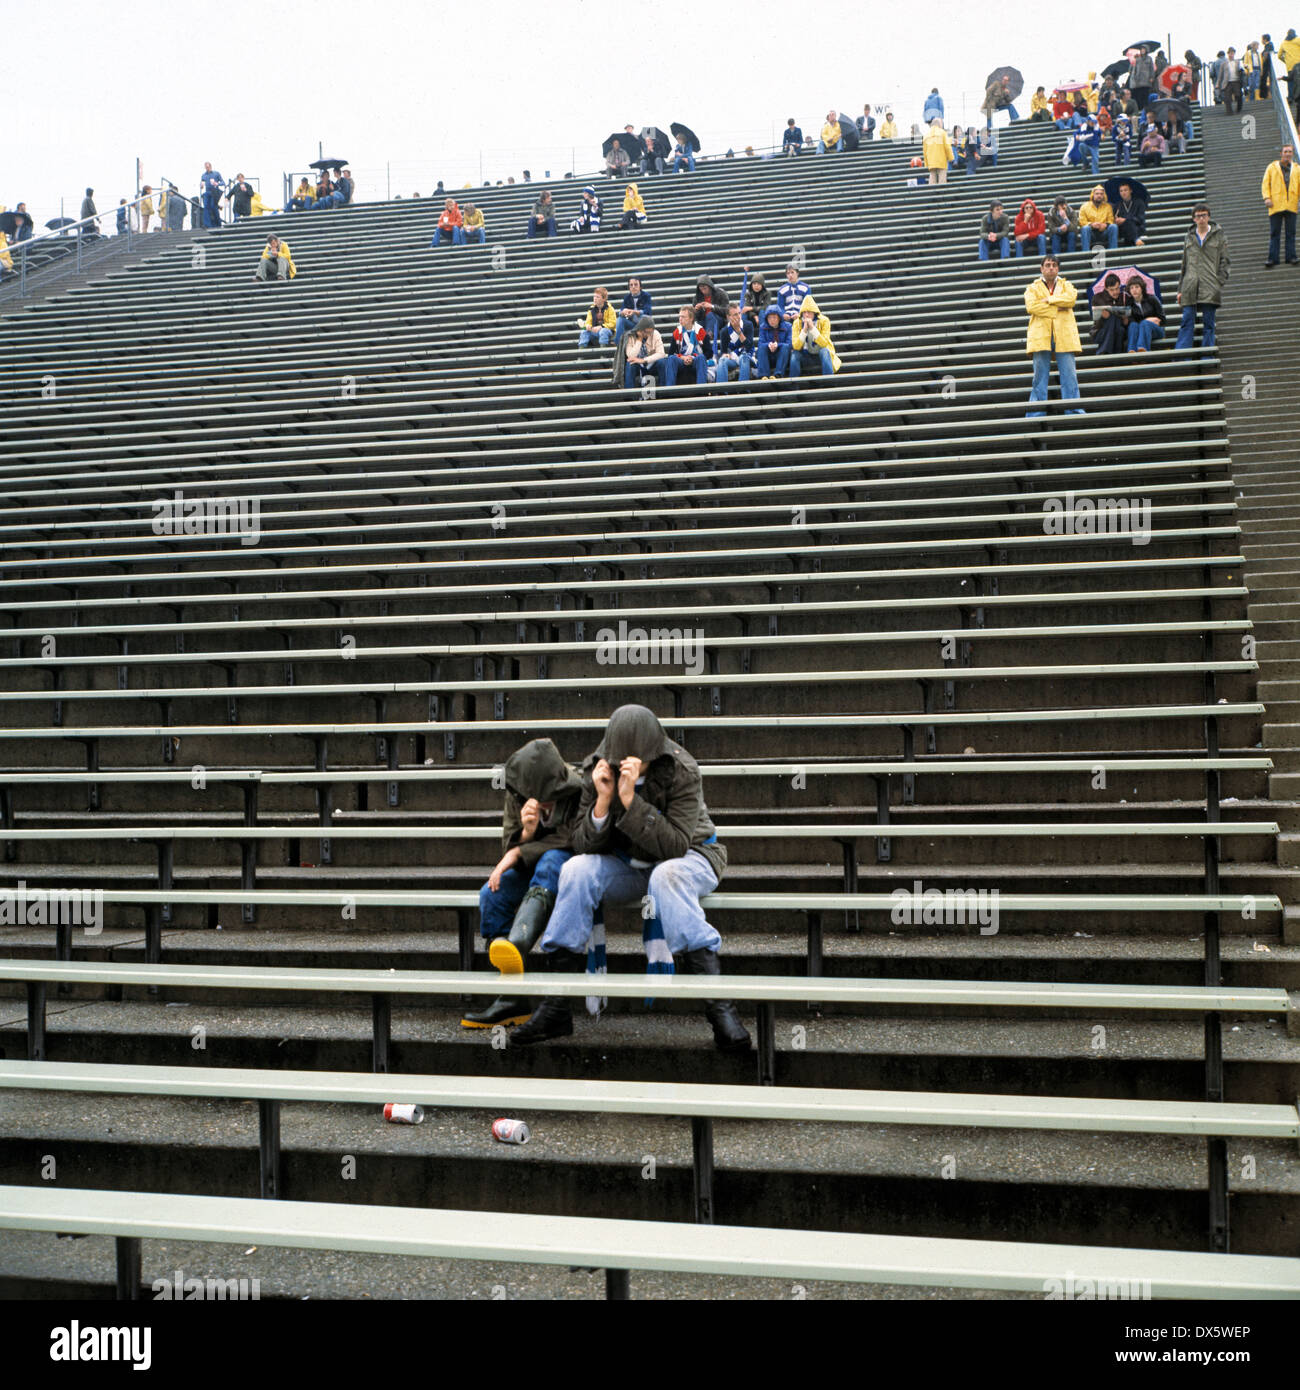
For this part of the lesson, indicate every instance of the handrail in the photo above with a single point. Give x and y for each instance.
(1285, 119)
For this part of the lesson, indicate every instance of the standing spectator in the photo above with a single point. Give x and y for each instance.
(810, 341)
(1064, 227)
(866, 123)
(735, 346)
(601, 321)
(831, 138)
(1216, 72)
(634, 214)
(636, 306)
(1049, 302)
(690, 349)
(995, 230)
(88, 210)
(211, 183)
(173, 208)
(1030, 229)
(1289, 51)
(589, 211)
(774, 337)
(683, 155)
(937, 151)
(240, 197)
(710, 306)
(1039, 107)
(1089, 143)
(1203, 276)
(473, 225)
(1250, 67)
(1280, 191)
(1142, 77)
(121, 217)
(146, 207)
(1230, 75)
(6, 258)
(1146, 323)
(276, 263)
(790, 296)
(1097, 216)
(933, 109)
(541, 221)
(792, 139)
(616, 164)
(1154, 147)
(1266, 68)
(450, 229)
(889, 131)
(1110, 315)
(645, 354)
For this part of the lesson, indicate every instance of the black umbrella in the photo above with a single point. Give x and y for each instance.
(684, 132)
(9, 223)
(849, 131)
(1149, 44)
(1170, 108)
(328, 164)
(655, 139)
(1140, 190)
(1013, 75)
(631, 143)
(1117, 69)
(56, 222)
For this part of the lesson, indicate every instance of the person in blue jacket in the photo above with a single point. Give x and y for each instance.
(211, 183)
(735, 347)
(790, 296)
(933, 107)
(636, 305)
(773, 356)
(792, 140)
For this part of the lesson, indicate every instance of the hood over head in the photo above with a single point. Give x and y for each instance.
(633, 732)
(537, 770)
(809, 306)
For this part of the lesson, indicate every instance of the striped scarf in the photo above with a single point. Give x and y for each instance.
(659, 959)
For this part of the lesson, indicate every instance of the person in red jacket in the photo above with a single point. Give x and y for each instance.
(689, 350)
(451, 226)
(1030, 229)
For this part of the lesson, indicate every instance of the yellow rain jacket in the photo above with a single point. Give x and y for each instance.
(1285, 193)
(474, 219)
(1037, 104)
(831, 134)
(937, 148)
(609, 319)
(889, 131)
(632, 200)
(284, 256)
(257, 207)
(6, 259)
(1092, 215)
(1289, 52)
(1051, 317)
(820, 337)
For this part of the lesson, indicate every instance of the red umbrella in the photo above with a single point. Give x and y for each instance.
(1172, 73)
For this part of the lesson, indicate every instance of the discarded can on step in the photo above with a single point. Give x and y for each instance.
(404, 1114)
(510, 1131)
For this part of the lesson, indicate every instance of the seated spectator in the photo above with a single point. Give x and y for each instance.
(995, 230)
(324, 191)
(1039, 107)
(257, 207)
(1105, 122)
(636, 306)
(710, 306)
(1030, 229)
(451, 224)
(735, 347)
(866, 124)
(1110, 317)
(1122, 138)
(1062, 111)
(1130, 216)
(1146, 323)
(790, 296)
(1097, 218)
(889, 131)
(683, 156)
(1153, 149)
(473, 224)
(303, 197)
(831, 139)
(589, 211)
(757, 298)
(979, 150)
(634, 214)
(774, 339)
(1175, 134)
(956, 139)
(617, 161)
(936, 149)
(1063, 227)
(541, 221)
(1088, 138)
(601, 321)
(645, 354)
(690, 349)
(276, 263)
(792, 139)
(810, 341)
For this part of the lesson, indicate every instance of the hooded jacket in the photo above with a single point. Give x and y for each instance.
(1205, 267)
(622, 355)
(757, 298)
(936, 148)
(1051, 317)
(667, 816)
(538, 772)
(284, 255)
(716, 297)
(473, 219)
(1096, 214)
(1285, 192)
(820, 335)
(1029, 221)
(781, 334)
(632, 200)
(450, 218)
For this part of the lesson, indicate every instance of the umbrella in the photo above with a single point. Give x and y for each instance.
(1126, 273)
(1175, 73)
(9, 223)
(631, 143)
(849, 131)
(1117, 69)
(655, 139)
(328, 164)
(1170, 108)
(684, 132)
(1140, 189)
(1149, 44)
(1073, 87)
(56, 222)
(1013, 75)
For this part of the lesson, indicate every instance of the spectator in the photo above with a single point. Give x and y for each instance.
(1153, 149)
(735, 346)
(970, 150)
(1110, 315)
(259, 208)
(889, 131)
(1230, 79)
(601, 321)
(346, 187)
(528, 178)
(211, 183)
(1049, 302)
(710, 306)
(473, 225)
(1087, 145)
(1130, 216)
(1146, 323)
(792, 139)
(1095, 216)
(541, 222)
(451, 224)
(933, 109)
(790, 296)
(810, 341)
(1203, 276)
(1184, 87)
(146, 207)
(515, 904)
(986, 148)
(1250, 69)
(171, 209)
(1142, 77)
(240, 197)
(757, 298)
(690, 350)
(325, 190)
(333, 195)
(955, 140)
(1265, 67)
(1063, 226)
(937, 151)
(121, 217)
(1216, 70)
(995, 230)
(6, 259)
(88, 210)
(637, 305)
(1030, 229)
(634, 214)
(1122, 137)
(1091, 96)
(1280, 190)
(643, 833)
(276, 263)
(645, 354)
(1174, 136)
(831, 139)
(304, 196)
(617, 162)
(774, 339)
(1039, 107)
(866, 123)
(683, 155)
(589, 211)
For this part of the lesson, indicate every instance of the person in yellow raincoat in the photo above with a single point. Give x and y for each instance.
(1280, 191)
(276, 262)
(811, 341)
(936, 149)
(6, 259)
(634, 214)
(1049, 302)
(257, 207)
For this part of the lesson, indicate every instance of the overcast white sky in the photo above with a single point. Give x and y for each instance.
(413, 91)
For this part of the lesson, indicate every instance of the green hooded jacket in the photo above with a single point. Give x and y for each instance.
(538, 771)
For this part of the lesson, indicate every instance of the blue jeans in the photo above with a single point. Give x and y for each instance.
(797, 358)
(474, 234)
(1069, 380)
(675, 885)
(443, 237)
(821, 146)
(1070, 238)
(1093, 153)
(1142, 335)
(676, 363)
(1004, 245)
(1039, 241)
(211, 213)
(766, 367)
(1187, 328)
(633, 370)
(548, 229)
(744, 367)
(1276, 221)
(496, 911)
(687, 159)
(590, 337)
(624, 326)
(1112, 236)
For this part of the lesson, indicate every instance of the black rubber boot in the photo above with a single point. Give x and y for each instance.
(507, 952)
(553, 1017)
(729, 1033)
(499, 1011)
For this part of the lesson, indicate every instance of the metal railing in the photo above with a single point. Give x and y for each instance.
(1285, 116)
